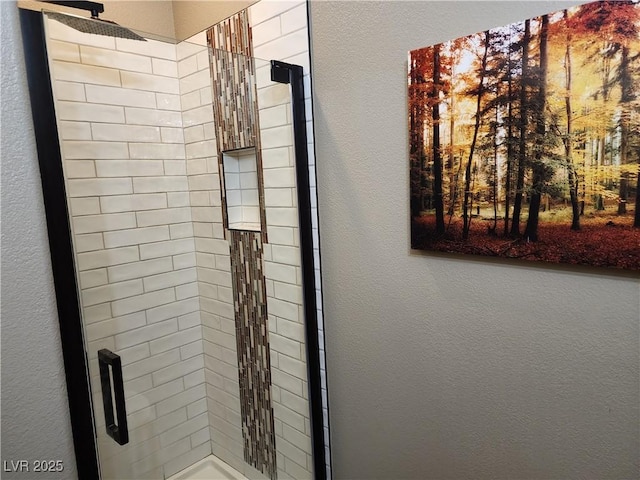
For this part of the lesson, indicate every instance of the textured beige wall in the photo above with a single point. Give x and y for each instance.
(151, 16)
(35, 410)
(441, 367)
(167, 19)
(148, 16)
(191, 17)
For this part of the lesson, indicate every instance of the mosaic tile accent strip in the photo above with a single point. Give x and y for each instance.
(254, 363)
(235, 109)
(233, 75)
(233, 34)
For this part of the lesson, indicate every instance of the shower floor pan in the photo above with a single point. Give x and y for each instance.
(209, 468)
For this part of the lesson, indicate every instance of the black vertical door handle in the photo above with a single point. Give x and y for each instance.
(119, 431)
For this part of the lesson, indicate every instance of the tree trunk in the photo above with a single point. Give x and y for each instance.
(495, 176)
(522, 153)
(531, 230)
(568, 153)
(416, 143)
(467, 179)
(437, 154)
(583, 183)
(601, 159)
(573, 194)
(507, 183)
(623, 193)
(626, 97)
(636, 216)
(452, 160)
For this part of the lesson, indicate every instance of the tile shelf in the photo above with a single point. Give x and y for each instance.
(241, 189)
(245, 226)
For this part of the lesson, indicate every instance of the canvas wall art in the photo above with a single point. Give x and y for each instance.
(524, 140)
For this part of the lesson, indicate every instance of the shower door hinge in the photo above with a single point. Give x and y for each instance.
(279, 72)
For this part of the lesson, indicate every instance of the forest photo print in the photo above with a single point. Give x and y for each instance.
(524, 140)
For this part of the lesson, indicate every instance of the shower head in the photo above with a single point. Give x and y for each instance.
(95, 25)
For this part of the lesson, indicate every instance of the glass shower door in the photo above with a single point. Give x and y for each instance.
(179, 165)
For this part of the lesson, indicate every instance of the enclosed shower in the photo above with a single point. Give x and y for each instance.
(183, 179)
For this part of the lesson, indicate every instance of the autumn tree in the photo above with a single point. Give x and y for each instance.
(437, 153)
(466, 215)
(540, 172)
(492, 124)
(418, 69)
(500, 110)
(636, 216)
(617, 23)
(568, 138)
(449, 59)
(522, 142)
(510, 121)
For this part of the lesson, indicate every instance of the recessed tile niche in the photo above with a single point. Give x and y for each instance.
(241, 189)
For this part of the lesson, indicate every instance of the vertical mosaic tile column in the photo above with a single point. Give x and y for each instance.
(235, 107)
(253, 350)
(236, 121)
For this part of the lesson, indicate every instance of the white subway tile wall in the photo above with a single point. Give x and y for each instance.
(136, 124)
(118, 108)
(212, 255)
(280, 32)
